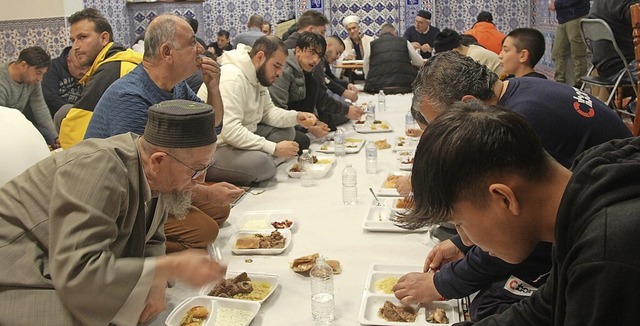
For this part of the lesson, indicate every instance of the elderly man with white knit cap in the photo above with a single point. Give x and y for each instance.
(355, 44)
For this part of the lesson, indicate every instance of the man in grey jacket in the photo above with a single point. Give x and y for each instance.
(85, 242)
(298, 88)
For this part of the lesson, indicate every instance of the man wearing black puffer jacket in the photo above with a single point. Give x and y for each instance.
(390, 63)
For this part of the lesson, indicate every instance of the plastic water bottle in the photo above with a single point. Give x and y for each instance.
(349, 185)
(338, 140)
(409, 122)
(370, 115)
(372, 158)
(306, 163)
(322, 300)
(382, 101)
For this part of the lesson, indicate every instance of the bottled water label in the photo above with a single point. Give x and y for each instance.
(372, 153)
(372, 159)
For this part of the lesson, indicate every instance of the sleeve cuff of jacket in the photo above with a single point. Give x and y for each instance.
(457, 241)
(269, 147)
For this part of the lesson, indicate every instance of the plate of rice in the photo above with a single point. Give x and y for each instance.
(262, 284)
(213, 311)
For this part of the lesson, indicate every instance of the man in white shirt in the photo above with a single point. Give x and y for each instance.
(256, 135)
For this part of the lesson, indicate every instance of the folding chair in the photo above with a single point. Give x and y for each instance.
(635, 21)
(592, 30)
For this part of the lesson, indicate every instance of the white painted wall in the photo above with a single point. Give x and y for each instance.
(30, 9)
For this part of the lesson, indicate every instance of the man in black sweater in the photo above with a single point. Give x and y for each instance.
(60, 84)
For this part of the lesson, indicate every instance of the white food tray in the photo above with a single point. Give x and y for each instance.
(212, 304)
(262, 220)
(271, 279)
(286, 233)
(363, 128)
(379, 218)
(386, 190)
(372, 299)
(351, 146)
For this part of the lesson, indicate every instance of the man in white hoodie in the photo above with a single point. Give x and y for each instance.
(256, 134)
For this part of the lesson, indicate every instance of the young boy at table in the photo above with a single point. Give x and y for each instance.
(522, 49)
(506, 194)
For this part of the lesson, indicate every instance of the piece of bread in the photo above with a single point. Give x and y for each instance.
(335, 265)
(248, 243)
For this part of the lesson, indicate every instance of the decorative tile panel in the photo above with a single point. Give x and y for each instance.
(373, 14)
(460, 15)
(118, 16)
(49, 33)
(233, 15)
(129, 21)
(143, 13)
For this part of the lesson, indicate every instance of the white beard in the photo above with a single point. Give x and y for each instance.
(177, 203)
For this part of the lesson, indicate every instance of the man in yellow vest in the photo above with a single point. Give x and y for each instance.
(93, 46)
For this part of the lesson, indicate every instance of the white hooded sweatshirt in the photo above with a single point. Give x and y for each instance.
(246, 103)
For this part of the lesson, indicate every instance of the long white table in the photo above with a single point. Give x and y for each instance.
(326, 226)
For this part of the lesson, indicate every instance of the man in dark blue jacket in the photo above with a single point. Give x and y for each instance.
(568, 39)
(567, 121)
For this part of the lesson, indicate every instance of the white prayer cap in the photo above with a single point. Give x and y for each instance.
(350, 19)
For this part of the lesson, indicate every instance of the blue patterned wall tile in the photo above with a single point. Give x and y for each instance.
(48, 33)
(131, 20)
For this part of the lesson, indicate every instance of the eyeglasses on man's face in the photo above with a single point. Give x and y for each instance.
(196, 172)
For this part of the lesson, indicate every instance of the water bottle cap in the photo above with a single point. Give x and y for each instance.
(305, 151)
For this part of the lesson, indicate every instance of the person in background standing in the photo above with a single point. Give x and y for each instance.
(568, 39)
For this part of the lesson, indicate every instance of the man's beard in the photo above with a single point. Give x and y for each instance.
(177, 203)
(262, 76)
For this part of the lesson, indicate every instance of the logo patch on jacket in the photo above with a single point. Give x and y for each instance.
(519, 287)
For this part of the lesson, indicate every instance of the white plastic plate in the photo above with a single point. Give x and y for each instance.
(405, 143)
(212, 304)
(383, 126)
(351, 145)
(286, 233)
(386, 188)
(271, 279)
(262, 220)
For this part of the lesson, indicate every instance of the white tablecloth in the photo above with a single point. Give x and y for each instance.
(326, 226)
